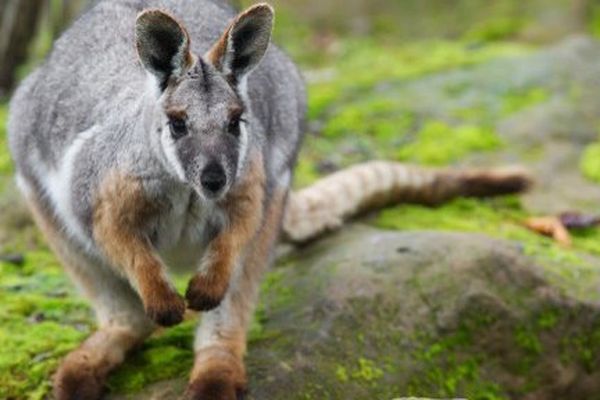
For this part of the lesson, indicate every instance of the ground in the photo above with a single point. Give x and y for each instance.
(459, 300)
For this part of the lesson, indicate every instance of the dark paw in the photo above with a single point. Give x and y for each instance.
(167, 312)
(201, 296)
(77, 381)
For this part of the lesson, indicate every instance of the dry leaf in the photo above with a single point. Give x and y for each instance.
(550, 226)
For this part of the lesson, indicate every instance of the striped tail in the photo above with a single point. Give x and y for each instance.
(326, 204)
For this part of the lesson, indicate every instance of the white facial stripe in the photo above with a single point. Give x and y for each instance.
(243, 148)
(244, 133)
(152, 85)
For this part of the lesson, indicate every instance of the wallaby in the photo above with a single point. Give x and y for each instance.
(164, 133)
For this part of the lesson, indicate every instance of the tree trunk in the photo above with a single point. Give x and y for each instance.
(18, 25)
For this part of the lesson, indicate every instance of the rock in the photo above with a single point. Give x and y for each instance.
(375, 314)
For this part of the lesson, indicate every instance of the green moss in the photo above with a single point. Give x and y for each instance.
(341, 373)
(41, 319)
(519, 100)
(366, 371)
(497, 217)
(363, 63)
(305, 172)
(548, 319)
(594, 20)
(590, 162)
(496, 29)
(587, 239)
(167, 356)
(528, 340)
(438, 143)
(586, 346)
(447, 374)
(376, 117)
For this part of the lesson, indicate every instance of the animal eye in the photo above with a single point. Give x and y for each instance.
(234, 126)
(178, 128)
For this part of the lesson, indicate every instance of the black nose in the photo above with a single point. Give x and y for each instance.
(213, 178)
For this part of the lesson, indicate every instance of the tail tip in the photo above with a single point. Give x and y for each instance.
(500, 181)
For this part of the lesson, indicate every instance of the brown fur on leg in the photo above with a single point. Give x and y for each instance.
(217, 375)
(83, 372)
(244, 209)
(120, 215)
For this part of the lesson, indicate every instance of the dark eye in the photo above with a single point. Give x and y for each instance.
(234, 126)
(178, 128)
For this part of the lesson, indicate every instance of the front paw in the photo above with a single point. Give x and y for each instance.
(203, 294)
(167, 309)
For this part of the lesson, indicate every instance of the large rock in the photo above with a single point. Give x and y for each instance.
(370, 314)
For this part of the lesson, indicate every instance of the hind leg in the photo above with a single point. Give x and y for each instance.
(219, 372)
(122, 322)
(122, 325)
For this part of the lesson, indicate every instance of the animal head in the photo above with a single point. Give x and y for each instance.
(199, 109)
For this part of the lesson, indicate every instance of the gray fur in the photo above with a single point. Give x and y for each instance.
(93, 81)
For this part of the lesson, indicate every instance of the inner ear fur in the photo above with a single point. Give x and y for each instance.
(163, 45)
(244, 42)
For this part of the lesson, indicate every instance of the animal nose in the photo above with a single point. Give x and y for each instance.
(213, 178)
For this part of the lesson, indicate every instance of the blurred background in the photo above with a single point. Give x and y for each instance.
(312, 30)
(431, 82)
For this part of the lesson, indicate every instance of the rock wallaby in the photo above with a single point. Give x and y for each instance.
(163, 133)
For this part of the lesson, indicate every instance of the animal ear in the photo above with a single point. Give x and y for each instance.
(163, 45)
(244, 42)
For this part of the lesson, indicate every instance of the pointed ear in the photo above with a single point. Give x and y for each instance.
(163, 45)
(244, 42)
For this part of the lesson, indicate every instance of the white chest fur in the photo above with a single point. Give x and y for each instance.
(183, 232)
